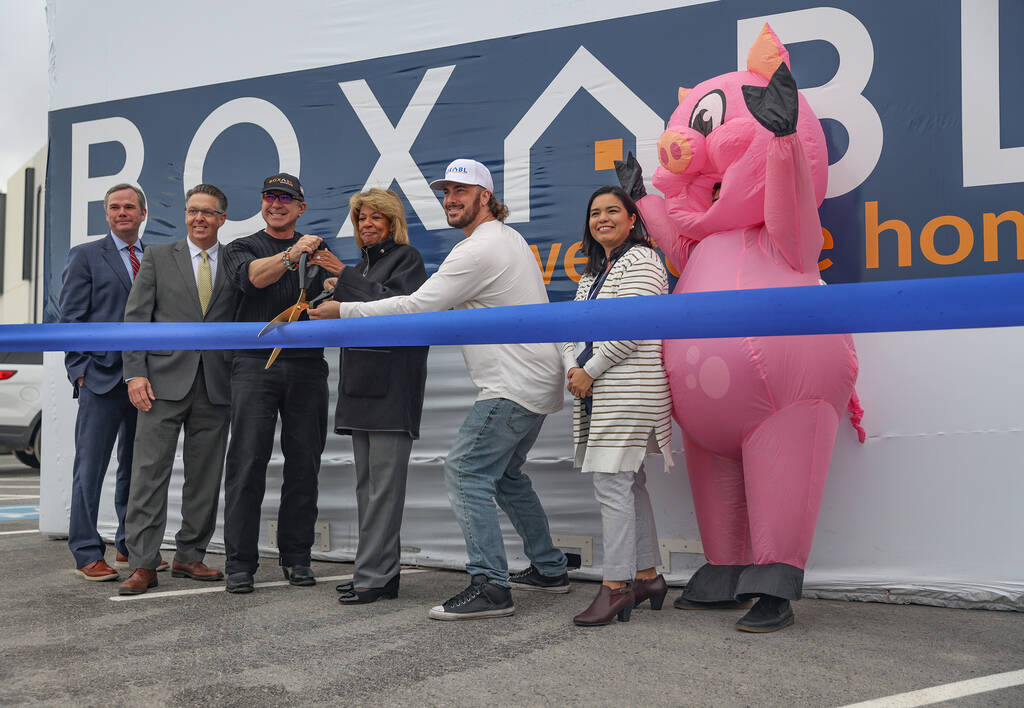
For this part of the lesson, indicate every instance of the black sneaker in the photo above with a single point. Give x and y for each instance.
(532, 579)
(482, 599)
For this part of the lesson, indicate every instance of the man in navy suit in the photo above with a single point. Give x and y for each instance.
(97, 279)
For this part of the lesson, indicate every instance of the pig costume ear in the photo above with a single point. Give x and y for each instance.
(683, 93)
(767, 53)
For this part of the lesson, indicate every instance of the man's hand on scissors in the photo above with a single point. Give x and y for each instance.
(307, 244)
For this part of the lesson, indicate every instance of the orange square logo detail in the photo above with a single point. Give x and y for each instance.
(606, 152)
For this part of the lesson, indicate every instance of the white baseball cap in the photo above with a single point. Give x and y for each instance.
(465, 171)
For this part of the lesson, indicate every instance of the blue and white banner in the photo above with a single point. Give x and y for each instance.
(918, 101)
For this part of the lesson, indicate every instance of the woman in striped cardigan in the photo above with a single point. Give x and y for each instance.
(622, 403)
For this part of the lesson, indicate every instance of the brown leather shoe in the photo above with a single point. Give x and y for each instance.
(121, 561)
(606, 606)
(141, 580)
(196, 571)
(97, 570)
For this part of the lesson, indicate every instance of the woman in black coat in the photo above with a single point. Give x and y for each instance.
(380, 393)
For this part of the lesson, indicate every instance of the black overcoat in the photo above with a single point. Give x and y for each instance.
(381, 388)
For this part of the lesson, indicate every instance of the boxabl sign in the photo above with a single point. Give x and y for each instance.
(915, 98)
(919, 101)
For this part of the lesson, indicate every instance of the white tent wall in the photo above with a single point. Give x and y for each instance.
(927, 510)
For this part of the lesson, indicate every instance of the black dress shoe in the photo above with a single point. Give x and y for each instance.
(351, 596)
(241, 582)
(770, 614)
(299, 575)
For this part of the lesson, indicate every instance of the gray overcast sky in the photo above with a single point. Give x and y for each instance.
(24, 56)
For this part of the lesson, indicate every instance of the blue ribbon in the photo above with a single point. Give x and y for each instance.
(890, 306)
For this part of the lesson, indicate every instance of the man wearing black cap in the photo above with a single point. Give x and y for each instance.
(264, 268)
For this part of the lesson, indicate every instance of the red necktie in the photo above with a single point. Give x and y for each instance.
(133, 259)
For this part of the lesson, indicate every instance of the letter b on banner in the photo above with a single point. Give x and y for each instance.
(86, 189)
(840, 98)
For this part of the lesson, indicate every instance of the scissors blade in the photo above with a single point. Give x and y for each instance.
(273, 358)
(287, 316)
(277, 321)
(293, 313)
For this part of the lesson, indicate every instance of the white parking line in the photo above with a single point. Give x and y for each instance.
(945, 692)
(219, 587)
(12, 533)
(7, 497)
(20, 486)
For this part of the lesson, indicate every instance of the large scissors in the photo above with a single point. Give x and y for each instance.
(292, 313)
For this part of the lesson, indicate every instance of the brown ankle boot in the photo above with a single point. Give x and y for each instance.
(607, 605)
(654, 589)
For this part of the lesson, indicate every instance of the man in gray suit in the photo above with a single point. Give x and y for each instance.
(179, 282)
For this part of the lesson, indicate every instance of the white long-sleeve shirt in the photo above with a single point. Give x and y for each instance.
(493, 267)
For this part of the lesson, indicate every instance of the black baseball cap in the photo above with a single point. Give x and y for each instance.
(284, 182)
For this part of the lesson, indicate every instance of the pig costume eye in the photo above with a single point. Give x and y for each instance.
(708, 113)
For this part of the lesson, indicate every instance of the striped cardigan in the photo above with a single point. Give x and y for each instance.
(631, 395)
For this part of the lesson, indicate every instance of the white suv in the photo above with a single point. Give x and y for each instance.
(21, 386)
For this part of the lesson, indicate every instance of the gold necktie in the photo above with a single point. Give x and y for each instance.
(205, 281)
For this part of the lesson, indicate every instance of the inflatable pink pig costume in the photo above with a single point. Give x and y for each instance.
(743, 170)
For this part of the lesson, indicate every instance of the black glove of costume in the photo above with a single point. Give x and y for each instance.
(775, 106)
(631, 177)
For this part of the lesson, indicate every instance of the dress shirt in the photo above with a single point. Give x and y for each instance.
(194, 252)
(122, 249)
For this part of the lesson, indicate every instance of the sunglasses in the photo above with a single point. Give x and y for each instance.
(283, 198)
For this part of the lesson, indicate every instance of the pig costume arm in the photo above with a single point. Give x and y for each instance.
(790, 204)
(674, 245)
(654, 213)
(790, 208)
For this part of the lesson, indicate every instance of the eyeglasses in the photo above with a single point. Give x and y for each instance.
(192, 212)
(283, 198)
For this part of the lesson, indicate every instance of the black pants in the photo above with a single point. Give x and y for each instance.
(297, 389)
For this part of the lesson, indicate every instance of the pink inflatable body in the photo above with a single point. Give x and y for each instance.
(759, 415)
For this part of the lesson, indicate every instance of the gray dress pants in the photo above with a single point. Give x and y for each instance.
(382, 465)
(156, 440)
(627, 524)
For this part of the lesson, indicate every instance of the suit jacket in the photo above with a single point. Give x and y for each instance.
(95, 289)
(165, 291)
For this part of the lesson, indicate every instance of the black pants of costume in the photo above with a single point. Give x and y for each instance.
(297, 390)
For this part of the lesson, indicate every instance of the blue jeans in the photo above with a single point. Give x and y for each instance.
(484, 467)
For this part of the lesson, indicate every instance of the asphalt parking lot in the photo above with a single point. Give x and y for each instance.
(65, 641)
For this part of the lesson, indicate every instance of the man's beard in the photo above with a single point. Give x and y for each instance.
(467, 217)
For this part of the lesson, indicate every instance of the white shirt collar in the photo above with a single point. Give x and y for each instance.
(194, 250)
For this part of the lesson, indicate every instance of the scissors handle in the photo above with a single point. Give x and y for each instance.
(306, 276)
(324, 295)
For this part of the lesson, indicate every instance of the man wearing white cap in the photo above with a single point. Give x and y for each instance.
(519, 384)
